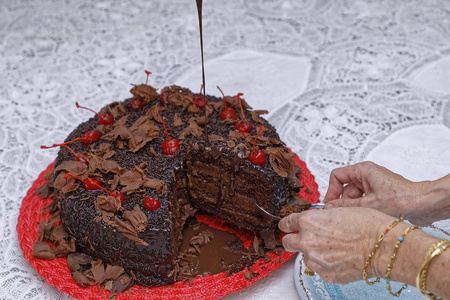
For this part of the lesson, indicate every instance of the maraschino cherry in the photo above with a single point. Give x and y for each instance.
(242, 124)
(171, 146)
(105, 119)
(88, 183)
(92, 184)
(228, 113)
(135, 104)
(151, 203)
(199, 101)
(118, 194)
(78, 157)
(257, 157)
(240, 129)
(88, 138)
(164, 98)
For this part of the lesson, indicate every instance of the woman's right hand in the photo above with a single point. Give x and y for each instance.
(370, 185)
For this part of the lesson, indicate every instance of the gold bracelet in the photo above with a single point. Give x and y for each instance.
(372, 253)
(435, 250)
(391, 263)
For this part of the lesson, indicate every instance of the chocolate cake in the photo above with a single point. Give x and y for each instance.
(126, 186)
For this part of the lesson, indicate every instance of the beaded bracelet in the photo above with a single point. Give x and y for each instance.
(394, 255)
(435, 250)
(372, 253)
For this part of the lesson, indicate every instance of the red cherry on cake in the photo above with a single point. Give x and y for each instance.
(135, 105)
(105, 119)
(118, 194)
(242, 124)
(228, 113)
(164, 98)
(171, 146)
(81, 158)
(257, 157)
(199, 101)
(90, 137)
(92, 185)
(151, 203)
(88, 183)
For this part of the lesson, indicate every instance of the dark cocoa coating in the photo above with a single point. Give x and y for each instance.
(151, 264)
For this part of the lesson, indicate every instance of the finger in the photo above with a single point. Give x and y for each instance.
(339, 178)
(352, 191)
(366, 201)
(290, 223)
(291, 242)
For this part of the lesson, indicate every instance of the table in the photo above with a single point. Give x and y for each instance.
(345, 81)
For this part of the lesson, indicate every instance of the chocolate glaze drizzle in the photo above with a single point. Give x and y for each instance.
(200, 26)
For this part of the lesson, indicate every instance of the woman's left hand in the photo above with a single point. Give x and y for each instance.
(335, 242)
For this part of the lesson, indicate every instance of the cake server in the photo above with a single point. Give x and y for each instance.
(276, 218)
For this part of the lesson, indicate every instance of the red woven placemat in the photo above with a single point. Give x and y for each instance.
(57, 273)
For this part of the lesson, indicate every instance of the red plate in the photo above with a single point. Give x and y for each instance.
(57, 273)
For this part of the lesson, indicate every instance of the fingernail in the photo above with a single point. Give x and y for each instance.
(329, 205)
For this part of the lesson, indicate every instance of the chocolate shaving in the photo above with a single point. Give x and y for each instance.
(137, 218)
(248, 275)
(43, 250)
(178, 96)
(108, 205)
(104, 151)
(268, 237)
(77, 261)
(282, 162)
(82, 280)
(193, 129)
(128, 230)
(76, 168)
(46, 189)
(119, 285)
(256, 244)
(177, 121)
(234, 102)
(115, 109)
(154, 113)
(255, 115)
(65, 247)
(262, 141)
(145, 92)
(57, 234)
(140, 133)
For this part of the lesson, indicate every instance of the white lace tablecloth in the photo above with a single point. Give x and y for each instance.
(345, 81)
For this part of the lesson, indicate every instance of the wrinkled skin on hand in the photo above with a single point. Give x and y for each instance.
(370, 185)
(335, 242)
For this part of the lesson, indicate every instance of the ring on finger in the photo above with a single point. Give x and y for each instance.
(308, 270)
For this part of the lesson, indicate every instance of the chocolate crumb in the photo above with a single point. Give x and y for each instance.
(248, 275)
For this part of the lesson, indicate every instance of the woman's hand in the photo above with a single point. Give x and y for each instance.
(335, 242)
(370, 185)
